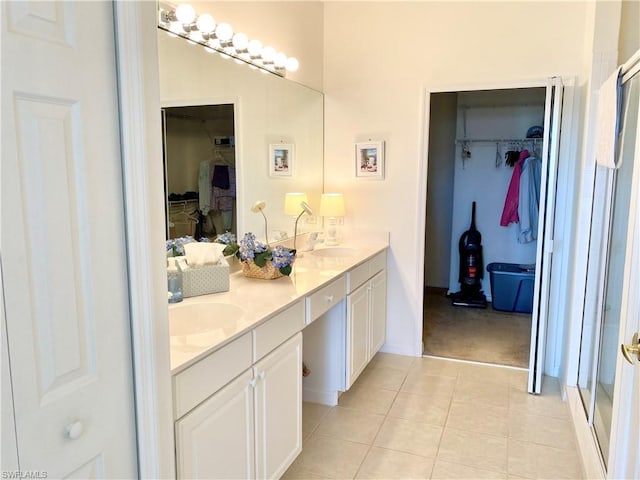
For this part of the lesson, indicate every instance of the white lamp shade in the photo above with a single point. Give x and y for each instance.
(292, 203)
(332, 205)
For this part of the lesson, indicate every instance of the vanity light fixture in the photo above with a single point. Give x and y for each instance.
(293, 202)
(259, 207)
(202, 29)
(332, 206)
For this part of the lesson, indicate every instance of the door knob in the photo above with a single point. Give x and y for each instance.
(628, 351)
(74, 430)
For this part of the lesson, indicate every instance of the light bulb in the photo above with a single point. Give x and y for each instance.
(240, 41)
(224, 32)
(206, 23)
(196, 36)
(280, 60)
(176, 28)
(185, 14)
(292, 64)
(268, 54)
(255, 48)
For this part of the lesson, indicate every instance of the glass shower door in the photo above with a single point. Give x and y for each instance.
(607, 255)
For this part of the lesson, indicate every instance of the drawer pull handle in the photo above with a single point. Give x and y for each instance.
(329, 298)
(74, 430)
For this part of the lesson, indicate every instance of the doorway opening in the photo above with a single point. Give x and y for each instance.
(479, 142)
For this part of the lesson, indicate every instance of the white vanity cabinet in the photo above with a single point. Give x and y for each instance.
(251, 427)
(216, 439)
(278, 407)
(366, 314)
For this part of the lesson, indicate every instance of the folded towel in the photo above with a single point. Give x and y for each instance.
(608, 123)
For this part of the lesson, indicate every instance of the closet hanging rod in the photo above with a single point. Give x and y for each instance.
(497, 140)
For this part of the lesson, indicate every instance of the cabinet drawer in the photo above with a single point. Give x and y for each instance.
(360, 274)
(377, 263)
(325, 298)
(207, 376)
(357, 276)
(277, 329)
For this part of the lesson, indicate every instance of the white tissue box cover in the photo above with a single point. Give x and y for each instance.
(206, 279)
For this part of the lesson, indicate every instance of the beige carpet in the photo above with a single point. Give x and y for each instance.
(481, 335)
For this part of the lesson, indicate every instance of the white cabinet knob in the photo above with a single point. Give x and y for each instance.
(329, 298)
(252, 382)
(74, 430)
(262, 375)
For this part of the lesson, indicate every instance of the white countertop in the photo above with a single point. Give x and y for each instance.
(261, 299)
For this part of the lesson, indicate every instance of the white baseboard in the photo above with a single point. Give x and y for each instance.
(591, 463)
(323, 398)
(403, 349)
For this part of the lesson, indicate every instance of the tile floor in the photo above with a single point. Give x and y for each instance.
(428, 418)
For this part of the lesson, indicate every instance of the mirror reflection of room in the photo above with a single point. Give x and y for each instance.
(200, 171)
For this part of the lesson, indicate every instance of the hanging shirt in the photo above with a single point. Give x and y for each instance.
(222, 198)
(510, 210)
(529, 199)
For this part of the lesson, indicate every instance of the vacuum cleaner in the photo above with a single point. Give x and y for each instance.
(471, 268)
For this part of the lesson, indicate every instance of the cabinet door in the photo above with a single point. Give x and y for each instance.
(378, 314)
(357, 332)
(278, 403)
(216, 439)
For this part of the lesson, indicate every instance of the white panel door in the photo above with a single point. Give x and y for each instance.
(357, 332)
(544, 254)
(216, 439)
(278, 404)
(378, 326)
(63, 241)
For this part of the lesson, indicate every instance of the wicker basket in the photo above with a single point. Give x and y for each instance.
(268, 272)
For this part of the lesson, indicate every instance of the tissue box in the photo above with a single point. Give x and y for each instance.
(204, 280)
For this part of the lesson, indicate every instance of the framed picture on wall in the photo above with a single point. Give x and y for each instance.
(281, 156)
(370, 160)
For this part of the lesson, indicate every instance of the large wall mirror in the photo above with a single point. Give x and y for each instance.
(235, 117)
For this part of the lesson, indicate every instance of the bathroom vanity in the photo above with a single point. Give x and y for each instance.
(237, 357)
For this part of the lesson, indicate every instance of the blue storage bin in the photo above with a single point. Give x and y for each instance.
(512, 286)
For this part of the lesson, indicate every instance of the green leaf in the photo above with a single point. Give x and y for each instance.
(231, 249)
(261, 258)
(285, 270)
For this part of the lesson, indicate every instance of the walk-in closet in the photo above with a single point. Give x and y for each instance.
(484, 147)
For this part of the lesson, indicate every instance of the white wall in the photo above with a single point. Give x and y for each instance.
(629, 39)
(442, 134)
(379, 59)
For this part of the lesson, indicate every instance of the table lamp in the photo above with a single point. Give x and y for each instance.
(332, 207)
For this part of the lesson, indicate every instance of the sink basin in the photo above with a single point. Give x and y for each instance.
(335, 252)
(197, 318)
